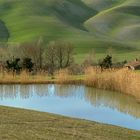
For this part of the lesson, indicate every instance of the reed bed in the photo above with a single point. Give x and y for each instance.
(41, 77)
(122, 80)
(64, 77)
(24, 78)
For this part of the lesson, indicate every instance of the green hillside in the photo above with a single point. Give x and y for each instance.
(100, 5)
(88, 24)
(4, 34)
(123, 19)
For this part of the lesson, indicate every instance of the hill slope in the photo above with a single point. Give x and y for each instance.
(121, 23)
(97, 24)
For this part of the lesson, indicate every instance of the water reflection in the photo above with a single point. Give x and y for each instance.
(77, 101)
(96, 97)
(121, 102)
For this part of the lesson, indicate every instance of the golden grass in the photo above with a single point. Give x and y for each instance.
(123, 80)
(64, 77)
(41, 77)
(23, 78)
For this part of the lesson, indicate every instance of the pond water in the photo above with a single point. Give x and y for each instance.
(75, 101)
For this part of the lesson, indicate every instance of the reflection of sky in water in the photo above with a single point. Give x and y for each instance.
(80, 102)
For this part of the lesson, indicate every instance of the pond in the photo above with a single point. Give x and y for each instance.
(75, 101)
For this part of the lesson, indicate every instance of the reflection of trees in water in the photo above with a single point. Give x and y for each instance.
(121, 102)
(69, 91)
(22, 91)
(9, 91)
(25, 91)
(41, 90)
(118, 101)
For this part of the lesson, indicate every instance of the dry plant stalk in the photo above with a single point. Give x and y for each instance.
(62, 76)
(122, 80)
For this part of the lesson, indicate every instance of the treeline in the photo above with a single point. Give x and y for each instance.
(36, 57)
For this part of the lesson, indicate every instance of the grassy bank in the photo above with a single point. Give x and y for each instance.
(18, 124)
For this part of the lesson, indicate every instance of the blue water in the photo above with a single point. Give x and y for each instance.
(75, 101)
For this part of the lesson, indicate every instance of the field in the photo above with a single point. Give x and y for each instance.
(88, 24)
(18, 124)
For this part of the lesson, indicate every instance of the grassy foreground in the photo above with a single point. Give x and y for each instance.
(19, 124)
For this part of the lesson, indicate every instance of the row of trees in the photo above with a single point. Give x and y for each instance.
(15, 65)
(56, 55)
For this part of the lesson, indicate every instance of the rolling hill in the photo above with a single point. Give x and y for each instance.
(88, 24)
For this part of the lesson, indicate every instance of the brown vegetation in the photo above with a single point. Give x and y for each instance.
(41, 77)
(122, 80)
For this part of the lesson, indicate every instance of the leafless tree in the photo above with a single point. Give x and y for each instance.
(69, 54)
(64, 54)
(51, 57)
(34, 51)
(40, 51)
(59, 54)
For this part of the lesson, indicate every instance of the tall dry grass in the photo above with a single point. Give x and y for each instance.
(42, 77)
(24, 77)
(62, 76)
(122, 80)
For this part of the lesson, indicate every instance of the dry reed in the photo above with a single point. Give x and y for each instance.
(122, 80)
(41, 77)
(23, 78)
(63, 76)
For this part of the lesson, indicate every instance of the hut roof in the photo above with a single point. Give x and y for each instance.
(133, 64)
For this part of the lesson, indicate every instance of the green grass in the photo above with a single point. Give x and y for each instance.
(101, 5)
(88, 24)
(19, 124)
(121, 22)
(4, 32)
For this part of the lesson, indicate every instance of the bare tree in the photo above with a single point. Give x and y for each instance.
(34, 51)
(69, 54)
(51, 57)
(64, 54)
(59, 55)
(40, 51)
(28, 50)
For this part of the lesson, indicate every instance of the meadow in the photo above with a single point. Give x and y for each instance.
(26, 124)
